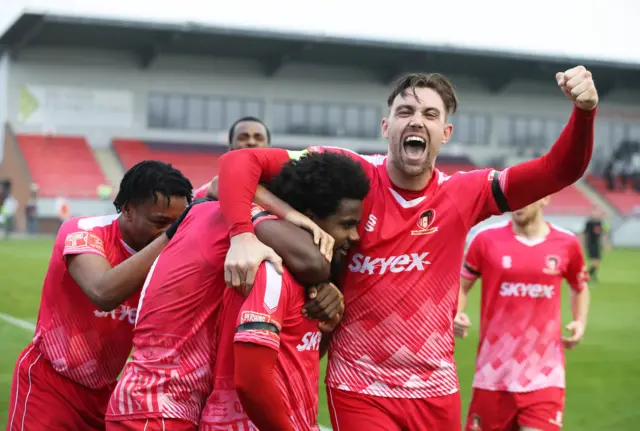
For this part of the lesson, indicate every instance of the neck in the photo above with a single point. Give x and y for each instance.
(404, 181)
(537, 228)
(126, 235)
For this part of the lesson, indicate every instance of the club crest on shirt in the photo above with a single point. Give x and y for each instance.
(552, 265)
(475, 423)
(425, 220)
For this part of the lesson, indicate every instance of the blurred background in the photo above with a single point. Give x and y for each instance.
(87, 91)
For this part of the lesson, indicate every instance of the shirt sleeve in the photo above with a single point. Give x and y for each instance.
(472, 262)
(201, 192)
(480, 195)
(83, 242)
(263, 312)
(577, 274)
(259, 214)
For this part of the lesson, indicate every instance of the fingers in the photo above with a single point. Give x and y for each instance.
(275, 260)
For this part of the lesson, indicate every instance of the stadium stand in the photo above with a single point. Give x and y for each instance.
(625, 201)
(61, 165)
(197, 161)
(570, 201)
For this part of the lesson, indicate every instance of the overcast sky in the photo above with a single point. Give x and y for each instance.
(591, 29)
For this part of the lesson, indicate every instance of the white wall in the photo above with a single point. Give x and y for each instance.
(118, 71)
(4, 100)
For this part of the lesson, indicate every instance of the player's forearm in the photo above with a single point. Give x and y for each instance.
(117, 284)
(239, 175)
(325, 341)
(271, 202)
(257, 389)
(580, 305)
(563, 165)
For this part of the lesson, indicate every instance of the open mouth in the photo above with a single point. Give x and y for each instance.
(414, 146)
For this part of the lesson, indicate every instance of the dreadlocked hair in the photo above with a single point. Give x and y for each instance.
(317, 182)
(147, 180)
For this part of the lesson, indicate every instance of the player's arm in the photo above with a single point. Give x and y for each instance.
(257, 389)
(469, 273)
(568, 158)
(577, 277)
(256, 348)
(107, 286)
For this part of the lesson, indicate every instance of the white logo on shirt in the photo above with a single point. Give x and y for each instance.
(121, 313)
(371, 223)
(406, 262)
(526, 289)
(506, 261)
(310, 341)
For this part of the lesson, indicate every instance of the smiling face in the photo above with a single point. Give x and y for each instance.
(416, 128)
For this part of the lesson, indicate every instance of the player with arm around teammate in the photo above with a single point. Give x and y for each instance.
(391, 364)
(166, 383)
(64, 378)
(269, 353)
(520, 375)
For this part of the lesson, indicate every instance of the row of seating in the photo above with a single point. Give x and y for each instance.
(63, 165)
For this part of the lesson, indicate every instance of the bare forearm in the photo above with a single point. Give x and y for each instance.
(119, 283)
(580, 305)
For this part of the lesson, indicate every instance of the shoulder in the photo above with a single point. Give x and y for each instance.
(486, 232)
(565, 235)
(465, 177)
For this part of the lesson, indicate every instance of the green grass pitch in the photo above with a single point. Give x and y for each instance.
(603, 373)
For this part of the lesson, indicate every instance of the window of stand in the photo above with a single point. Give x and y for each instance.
(199, 113)
(326, 119)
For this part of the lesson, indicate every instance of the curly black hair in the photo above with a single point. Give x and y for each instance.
(232, 129)
(317, 182)
(149, 178)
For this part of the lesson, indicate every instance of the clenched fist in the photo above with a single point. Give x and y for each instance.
(577, 84)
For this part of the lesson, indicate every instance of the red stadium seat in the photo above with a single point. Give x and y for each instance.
(197, 162)
(623, 200)
(61, 165)
(569, 201)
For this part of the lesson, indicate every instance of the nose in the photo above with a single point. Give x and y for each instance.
(354, 236)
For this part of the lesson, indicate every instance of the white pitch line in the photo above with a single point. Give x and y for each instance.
(24, 324)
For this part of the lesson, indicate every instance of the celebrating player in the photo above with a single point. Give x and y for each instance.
(391, 363)
(272, 347)
(247, 132)
(169, 377)
(64, 378)
(520, 377)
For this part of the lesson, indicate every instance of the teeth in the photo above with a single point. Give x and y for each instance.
(414, 139)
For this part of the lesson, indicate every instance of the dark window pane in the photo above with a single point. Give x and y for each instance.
(317, 120)
(335, 120)
(352, 121)
(196, 113)
(279, 117)
(371, 122)
(253, 108)
(176, 112)
(233, 110)
(215, 114)
(156, 109)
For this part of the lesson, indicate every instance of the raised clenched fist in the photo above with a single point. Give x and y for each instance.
(577, 84)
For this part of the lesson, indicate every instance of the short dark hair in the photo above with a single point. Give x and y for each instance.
(317, 182)
(149, 178)
(436, 81)
(232, 129)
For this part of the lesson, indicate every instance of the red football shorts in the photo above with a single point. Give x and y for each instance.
(507, 411)
(151, 425)
(351, 411)
(42, 399)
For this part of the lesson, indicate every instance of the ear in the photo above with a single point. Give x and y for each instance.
(385, 128)
(127, 212)
(448, 131)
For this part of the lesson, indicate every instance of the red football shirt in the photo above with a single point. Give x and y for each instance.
(401, 283)
(174, 339)
(201, 192)
(275, 299)
(82, 343)
(520, 347)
